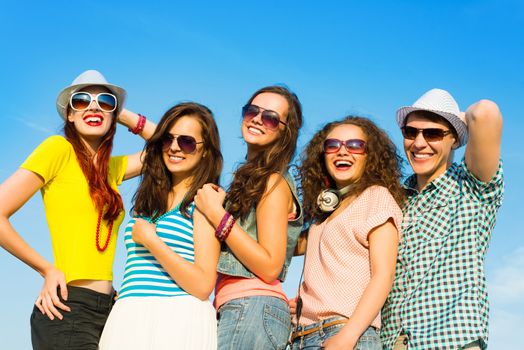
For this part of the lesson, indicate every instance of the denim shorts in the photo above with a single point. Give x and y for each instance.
(257, 322)
(80, 329)
(369, 340)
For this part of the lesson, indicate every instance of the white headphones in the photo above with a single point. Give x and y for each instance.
(329, 199)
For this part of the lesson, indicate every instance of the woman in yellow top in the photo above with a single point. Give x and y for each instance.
(78, 180)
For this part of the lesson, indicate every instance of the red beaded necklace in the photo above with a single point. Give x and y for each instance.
(101, 249)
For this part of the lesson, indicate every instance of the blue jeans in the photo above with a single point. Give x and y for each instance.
(257, 322)
(369, 340)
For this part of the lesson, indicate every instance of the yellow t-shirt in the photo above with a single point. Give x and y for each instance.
(70, 212)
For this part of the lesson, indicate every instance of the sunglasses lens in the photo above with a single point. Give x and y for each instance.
(186, 143)
(356, 146)
(107, 102)
(409, 132)
(250, 111)
(429, 134)
(332, 145)
(270, 119)
(80, 101)
(167, 141)
(433, 134)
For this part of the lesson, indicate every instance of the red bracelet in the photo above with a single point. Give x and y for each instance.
(228, 228)
(220, 228)
(139, 125)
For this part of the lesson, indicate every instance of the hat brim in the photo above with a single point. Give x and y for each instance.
(62, 101)
(455, 121)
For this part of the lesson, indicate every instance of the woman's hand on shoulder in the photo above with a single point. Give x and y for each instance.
(209, 201)
(48, 300)
(144, 232)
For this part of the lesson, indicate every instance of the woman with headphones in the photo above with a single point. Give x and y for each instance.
(350, 181)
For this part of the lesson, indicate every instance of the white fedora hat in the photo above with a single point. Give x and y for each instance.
(88, 78)
(440, 102)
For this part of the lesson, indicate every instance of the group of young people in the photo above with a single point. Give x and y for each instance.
(386, 265)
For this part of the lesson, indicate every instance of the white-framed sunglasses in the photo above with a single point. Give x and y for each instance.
(80, 101)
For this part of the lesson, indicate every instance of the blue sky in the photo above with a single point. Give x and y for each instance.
(340, 57)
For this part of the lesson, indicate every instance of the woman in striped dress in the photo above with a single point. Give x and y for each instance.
(172, 251)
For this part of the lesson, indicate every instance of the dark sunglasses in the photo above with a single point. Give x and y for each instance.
(270, 119)
(80, 101)
(354, 146)
(186, 143)
(429, 134)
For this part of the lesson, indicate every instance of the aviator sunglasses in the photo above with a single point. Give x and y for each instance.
(270, 119)
(429, 134)
(80, 101)
(354, 146)
(186, 143)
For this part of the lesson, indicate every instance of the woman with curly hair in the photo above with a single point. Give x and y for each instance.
(350, 179)
(256, 250)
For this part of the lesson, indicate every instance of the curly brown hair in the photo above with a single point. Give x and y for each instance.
(250, 179)
(383, 166)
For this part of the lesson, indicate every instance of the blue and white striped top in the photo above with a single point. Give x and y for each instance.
(143, 275)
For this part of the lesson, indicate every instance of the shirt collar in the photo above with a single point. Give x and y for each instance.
(443, 181)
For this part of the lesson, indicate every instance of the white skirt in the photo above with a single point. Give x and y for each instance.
(158, 323)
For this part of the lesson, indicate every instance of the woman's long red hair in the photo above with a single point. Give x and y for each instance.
(103, 195)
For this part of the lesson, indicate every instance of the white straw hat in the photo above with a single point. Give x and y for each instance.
(440, 102)
(88, 78)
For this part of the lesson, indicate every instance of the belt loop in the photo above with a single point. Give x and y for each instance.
(301, 344)
(98, 303)
(321, 329)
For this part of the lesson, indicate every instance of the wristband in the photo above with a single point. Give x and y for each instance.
(139, 125)
(220, 228)
(228, 228)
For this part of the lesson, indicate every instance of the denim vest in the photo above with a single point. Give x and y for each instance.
(230, 265)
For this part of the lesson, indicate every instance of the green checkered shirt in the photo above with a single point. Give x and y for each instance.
(439, 297)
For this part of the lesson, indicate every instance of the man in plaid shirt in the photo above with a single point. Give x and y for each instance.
(439, 297)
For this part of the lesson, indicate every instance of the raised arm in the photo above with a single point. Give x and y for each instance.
(130, 120)
(383, 242)
(198, 278)
(266, 256)
(482, 155)
(14, 193)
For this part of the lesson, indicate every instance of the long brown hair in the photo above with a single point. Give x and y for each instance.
(383, 166)
(250, 179)
(102, 194)
(151, 198)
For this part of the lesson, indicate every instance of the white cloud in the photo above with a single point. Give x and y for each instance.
(27, 122)
(504, 327)
(506, 282)
(506, 292)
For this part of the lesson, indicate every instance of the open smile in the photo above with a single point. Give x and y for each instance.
(254, 130)
(421, 156)
(175, 159)
(342, 164)
(93, 120)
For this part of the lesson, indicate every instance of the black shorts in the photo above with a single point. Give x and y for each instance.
(80, 328)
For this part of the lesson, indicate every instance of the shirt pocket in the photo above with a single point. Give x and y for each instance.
(433, 222)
